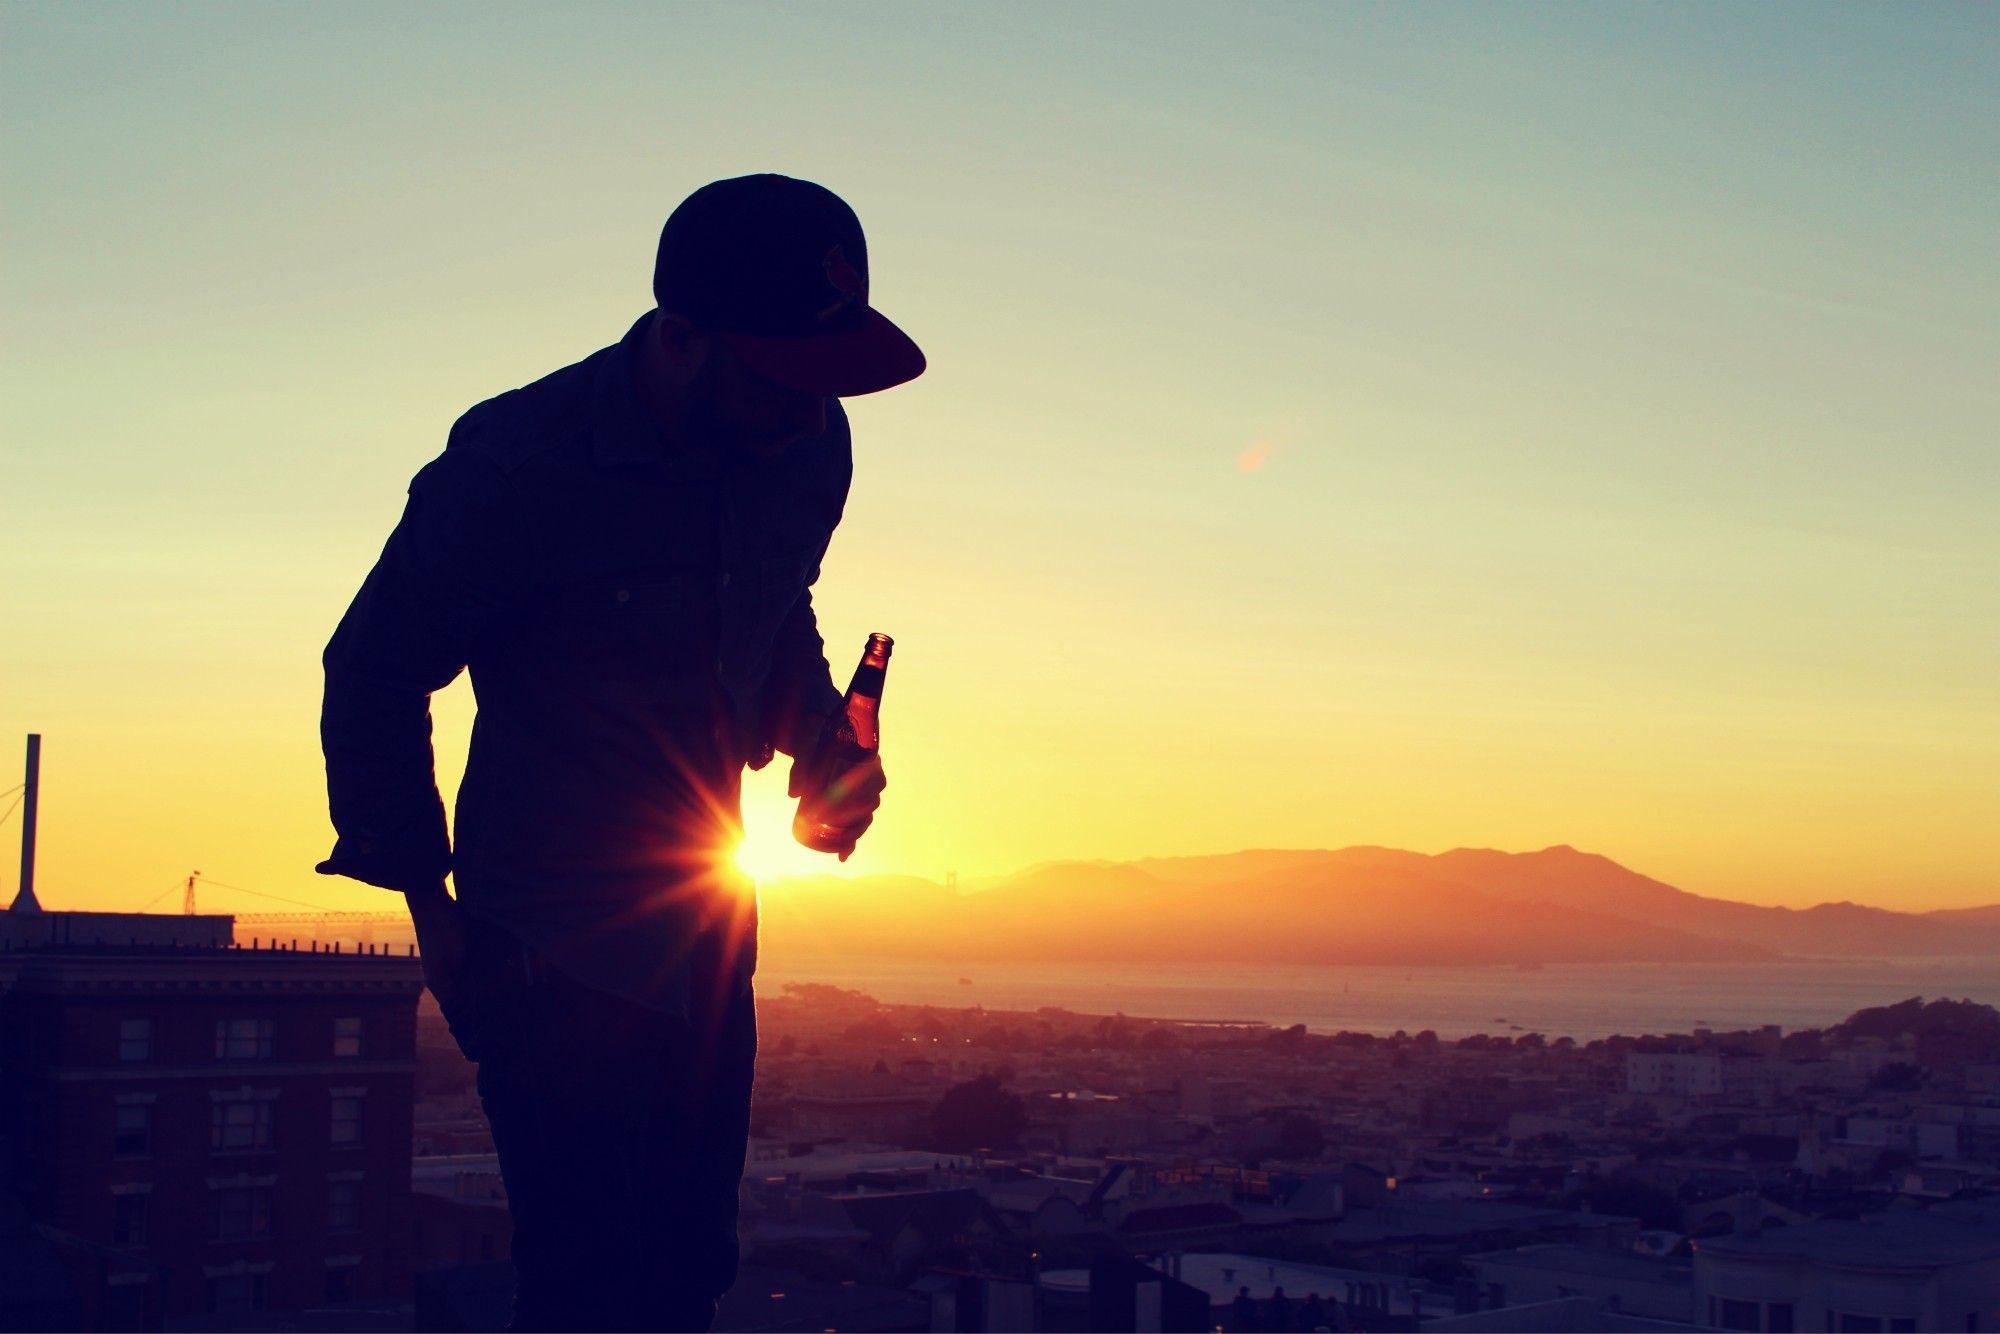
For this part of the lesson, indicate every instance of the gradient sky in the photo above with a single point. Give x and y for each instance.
(1419, 425)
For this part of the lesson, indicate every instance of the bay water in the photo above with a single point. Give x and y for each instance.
(1582, 1001)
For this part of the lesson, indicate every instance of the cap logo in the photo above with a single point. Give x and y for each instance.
(845, 280)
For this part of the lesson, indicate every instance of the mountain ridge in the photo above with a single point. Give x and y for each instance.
(1359, 904)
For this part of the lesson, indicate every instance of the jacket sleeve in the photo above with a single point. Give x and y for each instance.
(449, 567)
(800, 693)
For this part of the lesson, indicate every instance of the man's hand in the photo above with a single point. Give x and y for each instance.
(441, 939)
(844, 790)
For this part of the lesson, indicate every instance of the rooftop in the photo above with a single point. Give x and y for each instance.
(1907, 1239)
(37, 929)
(1221, 1274)
(845, 1161)
(1564, 1314)
(108, 968)
(1462, 1218)
(1561, 1258)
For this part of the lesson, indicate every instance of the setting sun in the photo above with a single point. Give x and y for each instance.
(768, 850)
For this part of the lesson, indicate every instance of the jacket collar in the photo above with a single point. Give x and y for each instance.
(621, 432)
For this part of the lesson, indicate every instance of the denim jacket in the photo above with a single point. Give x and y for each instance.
(636, 614)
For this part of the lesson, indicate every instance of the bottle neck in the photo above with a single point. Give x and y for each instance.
(873, 668)
(867, 682)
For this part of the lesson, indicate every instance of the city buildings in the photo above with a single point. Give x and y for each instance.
(201, 1131)
(1617, 1279)
(1887, 1273)
(1674, 1074)
(1662, 1182)
(198, 1135)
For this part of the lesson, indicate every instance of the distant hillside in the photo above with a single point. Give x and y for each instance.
(1351, 905)
(1566, 876)
(1985, 916)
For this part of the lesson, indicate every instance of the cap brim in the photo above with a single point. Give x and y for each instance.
(872, 356)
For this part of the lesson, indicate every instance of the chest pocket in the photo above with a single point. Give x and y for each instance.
(650, 635)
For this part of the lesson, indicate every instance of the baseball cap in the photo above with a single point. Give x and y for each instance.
(778, 268)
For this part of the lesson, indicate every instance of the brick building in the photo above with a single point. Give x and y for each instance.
(207, 1131)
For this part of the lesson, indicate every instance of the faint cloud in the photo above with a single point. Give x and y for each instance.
(1254, 458)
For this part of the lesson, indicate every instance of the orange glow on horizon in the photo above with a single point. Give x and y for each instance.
(1492, 596)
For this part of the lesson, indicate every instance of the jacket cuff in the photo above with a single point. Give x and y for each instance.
(385, 871)
(809, 722)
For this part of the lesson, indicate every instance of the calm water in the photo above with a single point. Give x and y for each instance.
(1581, 1000)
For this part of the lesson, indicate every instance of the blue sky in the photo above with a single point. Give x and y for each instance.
(1621, 376)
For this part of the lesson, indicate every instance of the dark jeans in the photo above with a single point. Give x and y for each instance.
(621, 1133)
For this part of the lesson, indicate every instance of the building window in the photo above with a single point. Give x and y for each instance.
(1847, 1323)
(134, 1135)
(128, 1219)
(125, 1306)
(346, 1119)
(240, 1125)
(135, 1039)
(347, 1036)
(343, 1206)
(340, 1285)
(240, 1212)
(242, 1039)
(230, 1294)
(1728, 1313)
(1778, 1318)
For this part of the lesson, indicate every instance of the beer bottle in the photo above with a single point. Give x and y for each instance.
(851, 736)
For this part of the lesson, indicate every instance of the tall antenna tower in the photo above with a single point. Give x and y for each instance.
(187, 894)
(25, 901)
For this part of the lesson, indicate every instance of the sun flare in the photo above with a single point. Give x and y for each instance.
(768, 851)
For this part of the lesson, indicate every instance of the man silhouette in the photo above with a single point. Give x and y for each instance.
(622, 553)
(1243, 1311)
